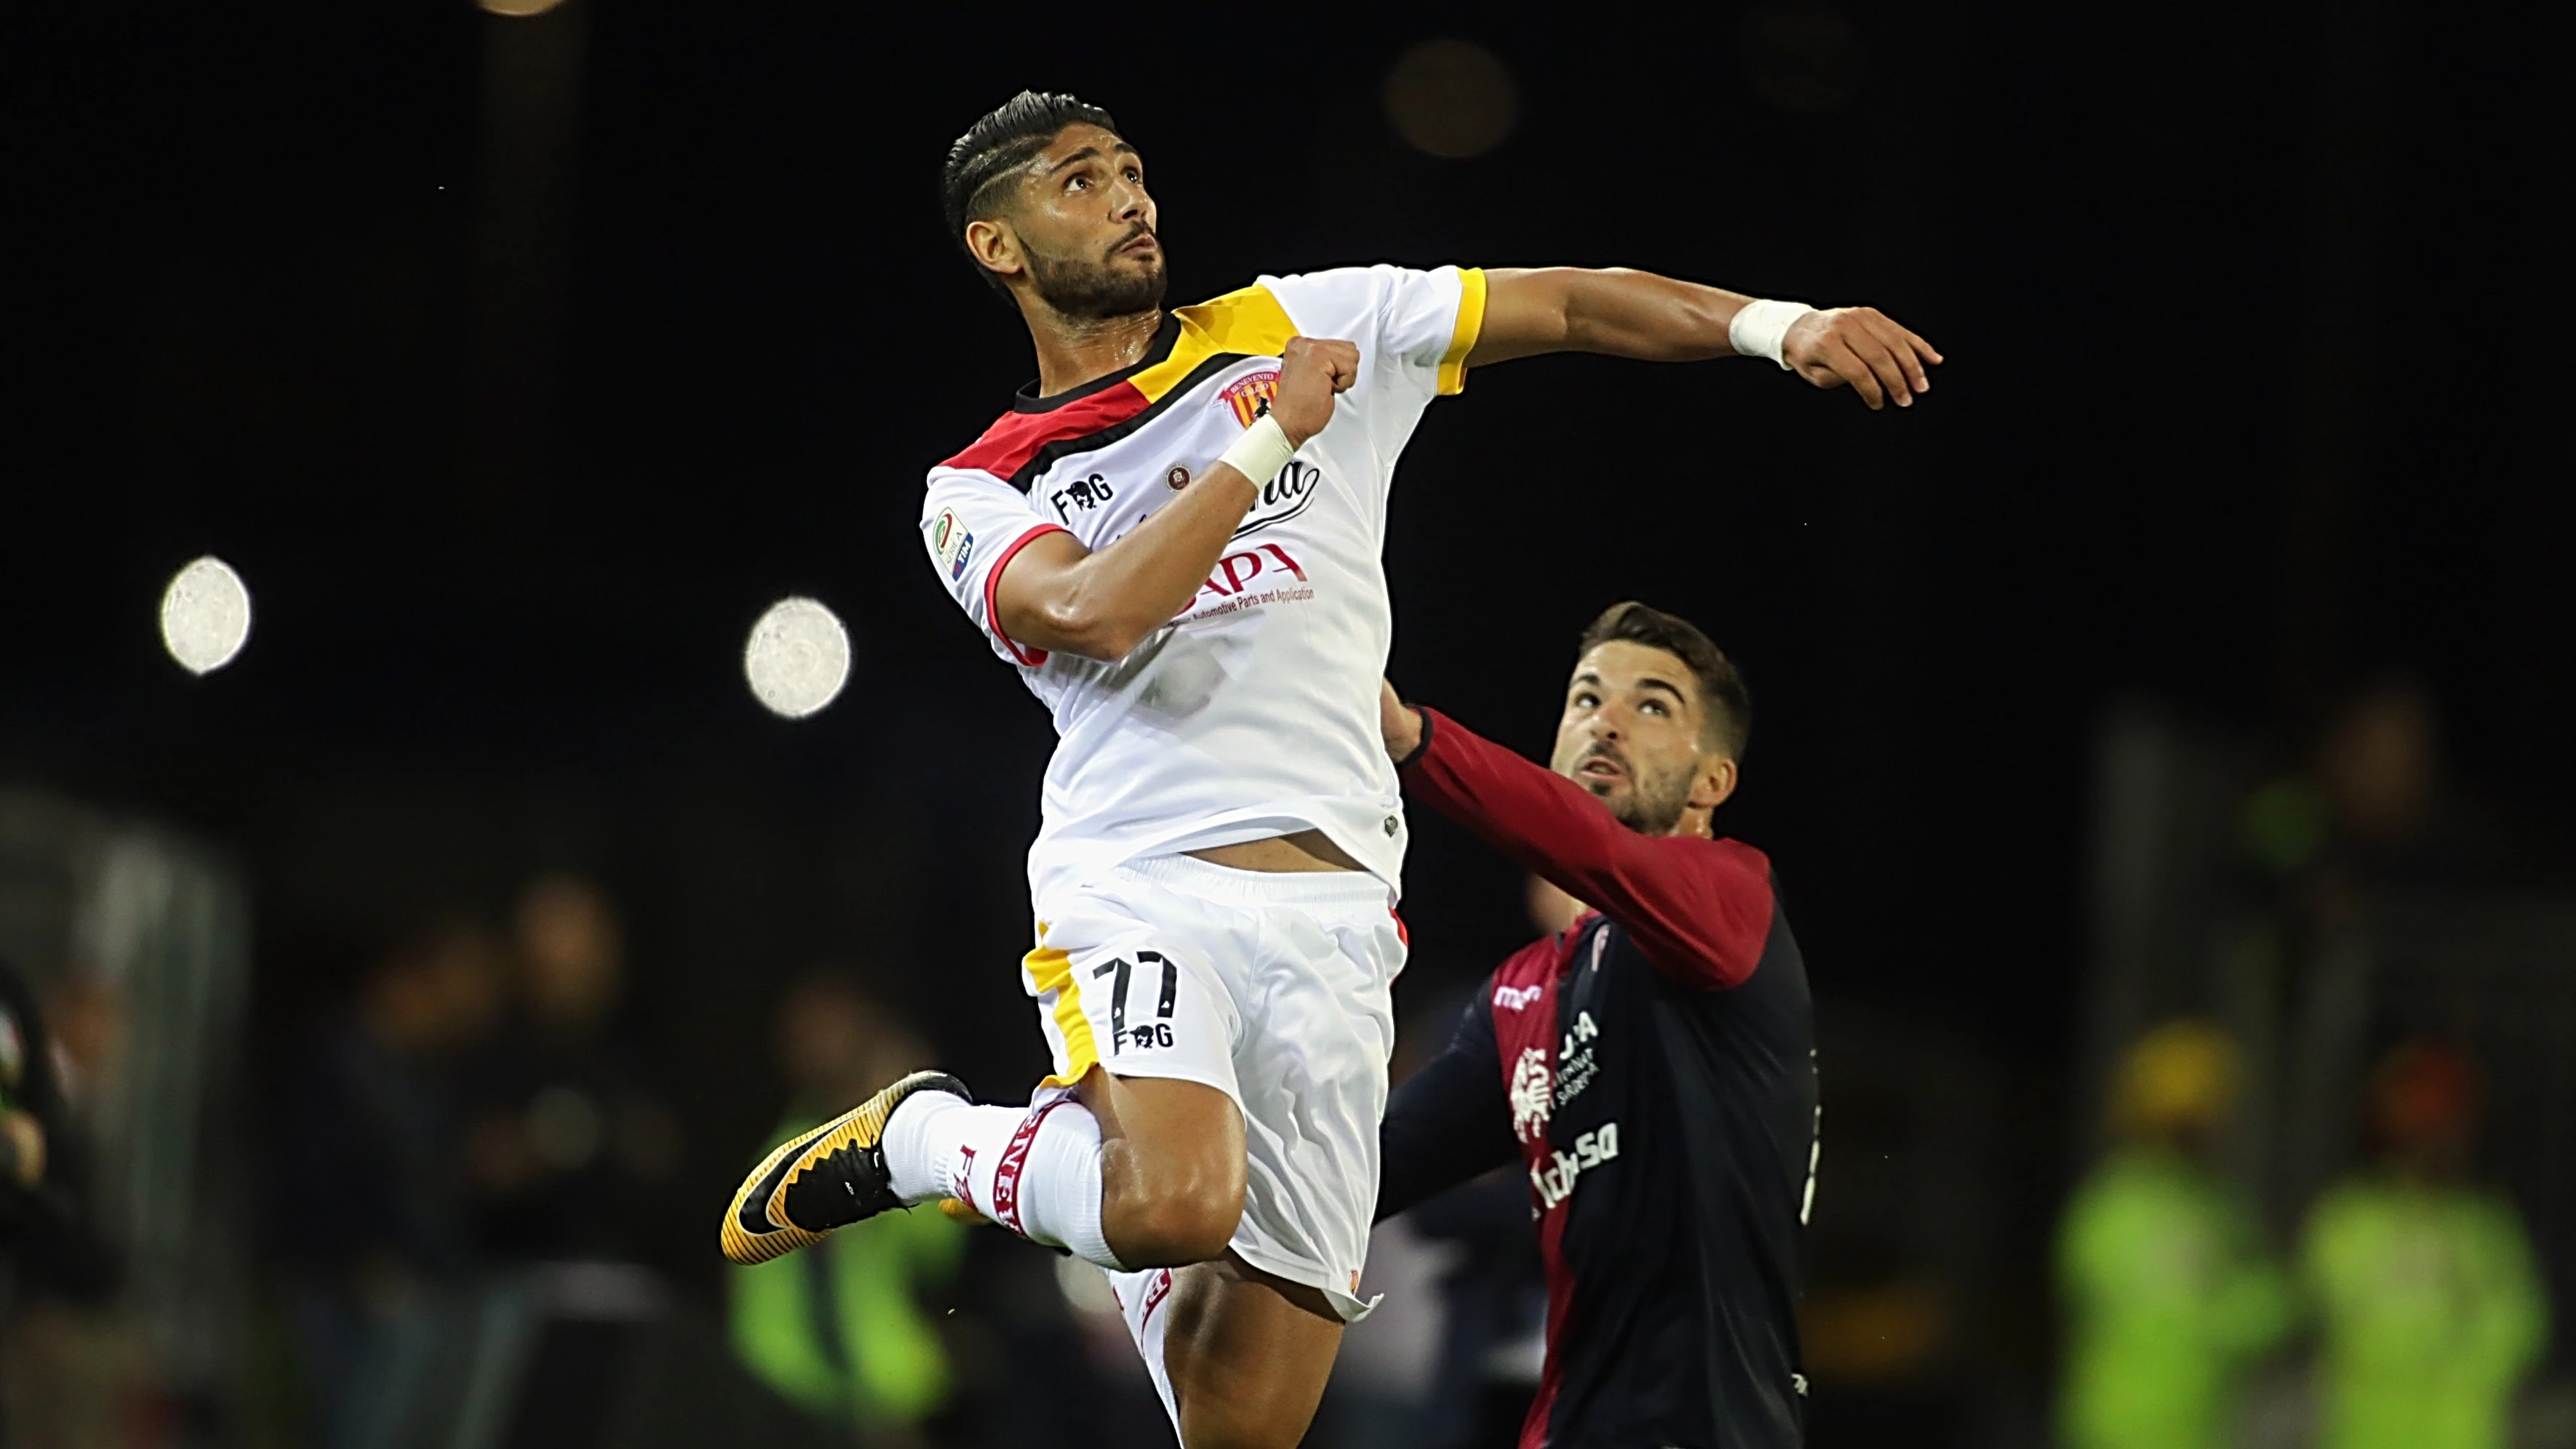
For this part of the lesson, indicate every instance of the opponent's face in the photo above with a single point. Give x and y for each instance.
(1080, 228)
(1634, 734)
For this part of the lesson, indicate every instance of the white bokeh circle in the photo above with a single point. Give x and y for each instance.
(798, 657)
(205, 615)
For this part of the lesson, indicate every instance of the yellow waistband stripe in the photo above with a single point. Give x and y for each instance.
(1471, 325)
(1051, 970)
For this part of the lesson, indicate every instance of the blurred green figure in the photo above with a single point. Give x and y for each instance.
(2168, 1292)
(841, 1329)
(2430, 1310)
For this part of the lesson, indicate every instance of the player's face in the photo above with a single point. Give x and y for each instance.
(1086, 227)
(1632, 734)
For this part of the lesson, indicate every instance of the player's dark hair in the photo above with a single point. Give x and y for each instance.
(993, 148)
(1721, 684)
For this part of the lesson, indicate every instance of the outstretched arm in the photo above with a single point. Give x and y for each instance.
(1622, 313)
(1100, 603)
(1699, 909)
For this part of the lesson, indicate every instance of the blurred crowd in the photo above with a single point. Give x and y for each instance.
(2410, 1278)
(2417, 1286)
(476, 1104)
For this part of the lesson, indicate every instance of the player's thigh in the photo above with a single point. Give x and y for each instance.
(1248, 1354)
(1172, 1171)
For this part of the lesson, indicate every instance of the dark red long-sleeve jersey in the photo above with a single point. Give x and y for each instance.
(1654, 1068)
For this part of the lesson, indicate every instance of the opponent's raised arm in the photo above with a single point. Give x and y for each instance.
(1100, 603)
(1622, 313)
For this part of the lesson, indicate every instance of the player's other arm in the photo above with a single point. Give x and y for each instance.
(1699, 909)
(1100, 603)
(1622, 313)
(1449, 1121)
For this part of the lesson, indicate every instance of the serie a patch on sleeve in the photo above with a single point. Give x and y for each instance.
(952, 543)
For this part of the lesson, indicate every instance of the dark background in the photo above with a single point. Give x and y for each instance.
(2257, 377)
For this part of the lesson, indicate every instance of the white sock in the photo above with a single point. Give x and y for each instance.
(938, 1145)
(1056, 1200)
(921, 1141)
(1140, 1301)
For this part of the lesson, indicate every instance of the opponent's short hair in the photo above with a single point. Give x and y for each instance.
(1728, 704)
(997, 145)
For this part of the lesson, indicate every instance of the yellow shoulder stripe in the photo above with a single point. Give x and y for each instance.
(1250, 323)
(1462, 338)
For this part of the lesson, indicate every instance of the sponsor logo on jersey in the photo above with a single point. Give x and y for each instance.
(1516, 998)
(1283, 497)
(1176, 477)
(1576, 1063)
(1236, 571)
(1529, 1095)
(1086, 493)
(1250, 395)
(1554, 1179)
(951, 543)
(1232, 588)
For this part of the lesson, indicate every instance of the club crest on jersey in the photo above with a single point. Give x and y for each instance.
(1250, 396)
(1530, 1094)
(951, 543)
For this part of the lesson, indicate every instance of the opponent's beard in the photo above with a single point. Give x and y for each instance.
(1094, 291)
(1656, 804)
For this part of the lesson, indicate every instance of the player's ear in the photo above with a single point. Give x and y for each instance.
(1714, 782)
(994, 246)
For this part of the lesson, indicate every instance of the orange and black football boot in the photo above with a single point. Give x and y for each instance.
(824, 1179)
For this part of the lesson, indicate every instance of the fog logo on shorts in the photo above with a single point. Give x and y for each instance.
(1155, 1033)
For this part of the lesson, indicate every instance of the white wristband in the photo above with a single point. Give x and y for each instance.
(1759, 326)
(1261, 452)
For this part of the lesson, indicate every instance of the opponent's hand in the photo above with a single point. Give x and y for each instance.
(1864, 347)
(1311, 370)
(1398, 726)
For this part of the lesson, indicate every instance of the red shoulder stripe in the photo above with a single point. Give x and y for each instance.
(1009, 444)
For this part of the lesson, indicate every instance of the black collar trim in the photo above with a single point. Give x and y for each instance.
(1026, 399)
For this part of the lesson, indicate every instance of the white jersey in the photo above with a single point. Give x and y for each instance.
(1254, 712)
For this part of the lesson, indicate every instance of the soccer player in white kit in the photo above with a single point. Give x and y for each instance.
(1175, 536)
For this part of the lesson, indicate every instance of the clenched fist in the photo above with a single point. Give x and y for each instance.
(1311, 370)
(1861, 346)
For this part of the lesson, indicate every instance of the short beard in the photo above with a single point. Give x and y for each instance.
(1654, 807)
(1095, 293)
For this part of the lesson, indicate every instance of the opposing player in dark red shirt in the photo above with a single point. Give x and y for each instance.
(1653, 1064)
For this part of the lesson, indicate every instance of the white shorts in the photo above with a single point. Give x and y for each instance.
(1271, 988)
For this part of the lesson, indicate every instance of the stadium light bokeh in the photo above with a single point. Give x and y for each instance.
(797, 658)
(1450, 98)
(205, 615)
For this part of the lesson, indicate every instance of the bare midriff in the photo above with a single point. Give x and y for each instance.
(1303, 851)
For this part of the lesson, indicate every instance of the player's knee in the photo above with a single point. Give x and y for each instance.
(1188, 1218)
